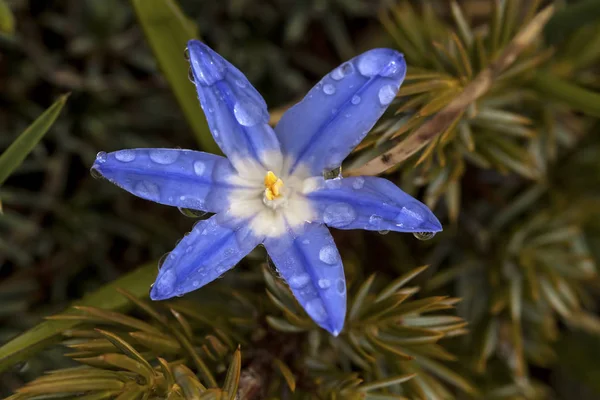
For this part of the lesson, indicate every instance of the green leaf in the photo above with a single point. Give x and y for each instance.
(18, 150)
(571, 18)
(287, 374)
(168, 31)
(232, 379)
(574, 96)
(23, 346)
(7, 20)
(395, 380)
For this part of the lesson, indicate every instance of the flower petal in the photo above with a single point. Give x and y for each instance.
(181, 178)
(371, 203)
(339, 111)
(312, 267)
(237, 114)
(207, 252)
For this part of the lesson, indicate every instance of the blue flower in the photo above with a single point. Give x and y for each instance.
(270, 190)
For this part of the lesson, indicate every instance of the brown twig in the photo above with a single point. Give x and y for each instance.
(474, 90)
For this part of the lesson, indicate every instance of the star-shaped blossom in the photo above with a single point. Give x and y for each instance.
(270, 189)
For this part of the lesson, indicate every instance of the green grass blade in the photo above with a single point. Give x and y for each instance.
(23, 346)
(18, 150)
(7, 20)
(168, 31)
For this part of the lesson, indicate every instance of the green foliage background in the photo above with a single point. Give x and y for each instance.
(495, 127)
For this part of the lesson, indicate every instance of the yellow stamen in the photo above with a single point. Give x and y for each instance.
(273, 186)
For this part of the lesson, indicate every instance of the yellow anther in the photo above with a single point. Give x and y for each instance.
(273, 186)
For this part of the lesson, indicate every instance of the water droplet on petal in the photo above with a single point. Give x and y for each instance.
(95, 173)
(306, 241)
(337, 74)
(186, 54)
(299, 281)
(164, 156)
(199, 168)
(165, 283)
(101, 157)
(241, 83)
(333, 184)
(147, 190)
(328, 88)
(423, 235)
(355, 99)
(191, 213)
(196, 284)
(324, 283)
(248, 113)
(358, 183)
(384, 232)
(162, 260)
(191, 75)
(371, 63)
(386, 95)
(316, 310)
(125, 155)
(339, 214)
(375, 220)
(329, 255)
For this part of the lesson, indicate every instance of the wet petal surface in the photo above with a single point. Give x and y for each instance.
(321, 130)
(371, 203)
(180, 178)
(203, 255)
(312, 267)
(236, 113)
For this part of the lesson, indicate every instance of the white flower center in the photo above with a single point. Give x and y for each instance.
(272, 202)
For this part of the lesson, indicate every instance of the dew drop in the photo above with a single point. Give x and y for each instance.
(147, 190)
(191, 213)
(324, 283)
(247, 113)
(384, 232)
(329, 255)
(95, 173)
(186, 54)
(423, 235)
(164, 156)
(165, 283)
(355, 99)
(299, 281)
(196, 284)
(328, 88)
(306, 241)
(339, 214)
(125, 155)
(375, 220)
(337, 74)
(340, 72)
(358, 183)
(101, 157)
(370, 63)
(162, 260)
(191, 75)
(334, 183)
(199, 168)
(386, 95)
(315, 309)
(241, 83)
